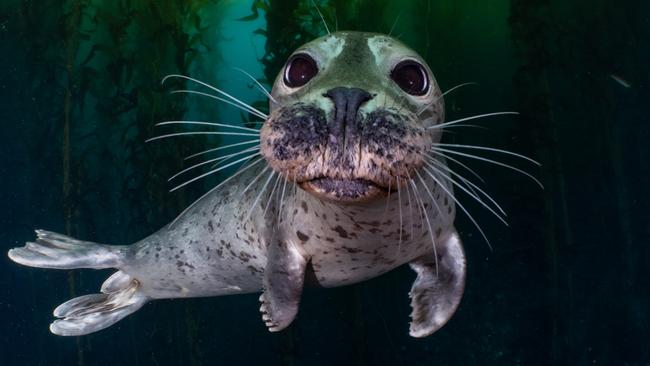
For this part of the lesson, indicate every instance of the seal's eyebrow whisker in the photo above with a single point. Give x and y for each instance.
(213, 171)
(199, 123)
(218, 160)
(241, 170)
(392, 28)
(236, 101)
(258, 84)
(436, 169)
(471, 156)
(442, 125)
(443, 95)
(322, 18)
(222, 147)
(451, 195)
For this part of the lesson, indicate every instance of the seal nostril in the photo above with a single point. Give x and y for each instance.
(347, 102)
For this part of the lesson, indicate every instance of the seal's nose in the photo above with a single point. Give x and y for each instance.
(347, 102)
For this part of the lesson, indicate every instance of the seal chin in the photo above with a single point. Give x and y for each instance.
(343, 190)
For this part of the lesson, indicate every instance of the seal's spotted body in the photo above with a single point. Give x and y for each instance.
(348, 133)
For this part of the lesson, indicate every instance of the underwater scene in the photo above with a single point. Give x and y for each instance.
(326, 182)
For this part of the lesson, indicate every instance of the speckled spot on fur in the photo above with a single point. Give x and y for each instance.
(341, 231)
(303, 237)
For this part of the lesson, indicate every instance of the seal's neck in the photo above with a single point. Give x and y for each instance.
(399, 207)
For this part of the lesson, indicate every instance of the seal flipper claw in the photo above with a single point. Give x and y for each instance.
(436, 293)
(283, 281)
(91, 313)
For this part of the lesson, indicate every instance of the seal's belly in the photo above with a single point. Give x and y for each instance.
(348, 264)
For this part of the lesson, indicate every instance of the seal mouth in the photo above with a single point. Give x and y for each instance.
(343, 190)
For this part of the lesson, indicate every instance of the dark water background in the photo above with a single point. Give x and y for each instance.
(566, 284)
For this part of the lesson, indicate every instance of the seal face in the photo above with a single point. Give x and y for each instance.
(350, 122)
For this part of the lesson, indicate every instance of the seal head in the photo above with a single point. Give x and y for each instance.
(349, 116)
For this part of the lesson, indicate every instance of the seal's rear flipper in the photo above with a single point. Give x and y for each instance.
(51, 250)
(90, 313)
(86, 314)
(436, 292)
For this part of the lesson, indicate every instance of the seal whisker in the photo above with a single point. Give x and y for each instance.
(416, 196)
(443, 95)
(456, 161)
(253, 181)
(469, 183)
(207, 124)
(436, 149)
(270, 198)
(435, 161)
(225, 158)
(281, 205)
(479, 116)
(433, 199)
(222, 148)
(399, 203)
(451, 195)
(219, 159)
(392, 28)
(426, 216)
(239, 102)
(200, 133)
(259, 195)
(258, 84)
(387, 202)
(486, 148)
(474, 196)
(321, 17)
(295, 195)
(242, 106)
(213, 171)
(242, 169)
(461, 125)
(408, 197)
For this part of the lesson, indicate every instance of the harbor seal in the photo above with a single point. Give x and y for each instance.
(343, 187)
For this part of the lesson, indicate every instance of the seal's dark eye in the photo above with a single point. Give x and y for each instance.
(411, 77)
(299, 70)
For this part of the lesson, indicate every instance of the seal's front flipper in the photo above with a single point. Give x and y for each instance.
(283, 280)
(51, 250)
(90, 313)
(435, 294)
